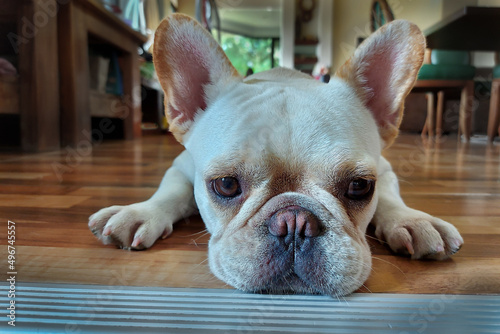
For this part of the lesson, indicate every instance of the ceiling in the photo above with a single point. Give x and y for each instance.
(253, 18)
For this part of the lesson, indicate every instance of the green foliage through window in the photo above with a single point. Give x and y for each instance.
(244, 52)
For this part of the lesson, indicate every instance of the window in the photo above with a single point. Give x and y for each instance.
(260, 54)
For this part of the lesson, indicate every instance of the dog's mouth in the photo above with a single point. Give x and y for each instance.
(292, 248)
(301, 266)
(326, 264)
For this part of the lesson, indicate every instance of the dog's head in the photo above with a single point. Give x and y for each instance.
(285, 166)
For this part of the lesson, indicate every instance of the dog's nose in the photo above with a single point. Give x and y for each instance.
(294, 220)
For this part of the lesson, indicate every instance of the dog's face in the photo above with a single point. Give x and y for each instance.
(285, 183)
(285, 167)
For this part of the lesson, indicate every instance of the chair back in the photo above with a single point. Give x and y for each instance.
(450, 57)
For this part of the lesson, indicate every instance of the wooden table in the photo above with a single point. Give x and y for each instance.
(435, 110)
(78, 20)
(470, 28)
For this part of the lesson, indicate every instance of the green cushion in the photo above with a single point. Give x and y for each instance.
(496, 71)
(446, 72)
(450, 57)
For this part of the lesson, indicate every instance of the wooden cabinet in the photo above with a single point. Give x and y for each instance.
(31, 38)
(49, 39)
(79, 21)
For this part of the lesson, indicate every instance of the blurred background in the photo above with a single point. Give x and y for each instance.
(69, 66)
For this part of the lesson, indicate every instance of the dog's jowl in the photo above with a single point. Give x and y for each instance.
(285, 171)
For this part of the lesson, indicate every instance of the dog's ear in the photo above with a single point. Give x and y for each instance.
(383, 70)
(191, 67)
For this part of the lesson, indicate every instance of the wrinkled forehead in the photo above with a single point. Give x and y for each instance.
(312, 122)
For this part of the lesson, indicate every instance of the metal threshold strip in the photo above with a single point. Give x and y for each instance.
(69, 308)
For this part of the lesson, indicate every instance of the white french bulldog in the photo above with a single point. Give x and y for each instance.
(285, 171)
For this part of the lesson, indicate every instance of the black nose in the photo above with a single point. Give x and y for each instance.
(294, 221)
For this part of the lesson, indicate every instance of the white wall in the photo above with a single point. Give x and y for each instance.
(488, 3)
(287, 32)
(351, 20)
(325, 32)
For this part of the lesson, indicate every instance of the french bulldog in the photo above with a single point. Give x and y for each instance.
(285, 171)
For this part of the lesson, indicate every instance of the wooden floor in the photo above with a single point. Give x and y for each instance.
(49, 196)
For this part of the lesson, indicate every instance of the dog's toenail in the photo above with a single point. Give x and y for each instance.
(136, 242)
(457, 243)
(107, 231)
(409, 247)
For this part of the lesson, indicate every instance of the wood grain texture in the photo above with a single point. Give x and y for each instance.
(38, 79)
(79, 22)
(457, 182)
(494, 115)
(9, 94)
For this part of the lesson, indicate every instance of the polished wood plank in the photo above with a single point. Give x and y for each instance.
(459, 182)
(40, 201)
(22, 176)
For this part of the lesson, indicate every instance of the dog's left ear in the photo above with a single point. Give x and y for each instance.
(383, 70)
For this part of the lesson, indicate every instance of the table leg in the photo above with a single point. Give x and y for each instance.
(74, 69)
(439, 113)
(429, 122)
(132, 91)
(494, 116)
(39, 82)
(465, 116)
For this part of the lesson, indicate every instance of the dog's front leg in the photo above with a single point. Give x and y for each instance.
(409, 231)
(139, 225)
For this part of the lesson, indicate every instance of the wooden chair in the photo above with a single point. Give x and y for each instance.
(494, 117)
(444, 71)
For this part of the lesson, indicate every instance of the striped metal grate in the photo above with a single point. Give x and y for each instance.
(64, 308)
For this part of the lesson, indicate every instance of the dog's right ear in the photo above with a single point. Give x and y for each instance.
(191, 67)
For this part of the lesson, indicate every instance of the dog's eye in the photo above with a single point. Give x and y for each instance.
(227, 187)
(360, 189)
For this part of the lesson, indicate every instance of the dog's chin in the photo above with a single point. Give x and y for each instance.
(301, 276)
(293, 284)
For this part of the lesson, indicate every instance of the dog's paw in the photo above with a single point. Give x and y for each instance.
(420, 235)
(136, 226)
